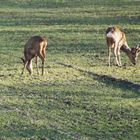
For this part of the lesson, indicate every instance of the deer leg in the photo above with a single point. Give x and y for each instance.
(43, 60)
(109, 55)
(29, 67)
(119, 58)
(116, 56)
(25, 64)
(36, 61)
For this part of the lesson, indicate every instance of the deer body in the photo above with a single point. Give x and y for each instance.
(116, 40)
(34, 48)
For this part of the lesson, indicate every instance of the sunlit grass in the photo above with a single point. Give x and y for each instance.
(77, 98)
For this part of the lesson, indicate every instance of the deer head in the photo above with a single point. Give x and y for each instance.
(135, 52)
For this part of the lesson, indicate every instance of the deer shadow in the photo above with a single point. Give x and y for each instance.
(108, 80)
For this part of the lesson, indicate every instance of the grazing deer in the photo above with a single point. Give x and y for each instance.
(34, 48)
(116, 40)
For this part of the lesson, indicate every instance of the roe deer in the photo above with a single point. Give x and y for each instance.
(116, 40)
(35, 47)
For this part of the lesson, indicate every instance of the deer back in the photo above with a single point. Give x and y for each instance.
(34, 45)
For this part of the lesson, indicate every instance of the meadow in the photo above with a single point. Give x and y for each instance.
(79, 97)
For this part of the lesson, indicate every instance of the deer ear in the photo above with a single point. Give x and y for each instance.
(138, 48)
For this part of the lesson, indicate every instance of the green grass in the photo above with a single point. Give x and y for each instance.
(79, 97)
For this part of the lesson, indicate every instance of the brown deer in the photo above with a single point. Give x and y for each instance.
(34, 48)
(116, 40)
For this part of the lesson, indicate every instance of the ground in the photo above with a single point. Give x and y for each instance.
(79, 97)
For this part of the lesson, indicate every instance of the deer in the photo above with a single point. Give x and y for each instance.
(116, 40)
(35, 47)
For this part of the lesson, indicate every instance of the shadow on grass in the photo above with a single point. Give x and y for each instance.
(66, 20)
(42, 133)
(118, 83)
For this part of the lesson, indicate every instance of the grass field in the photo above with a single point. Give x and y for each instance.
(79, 97)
